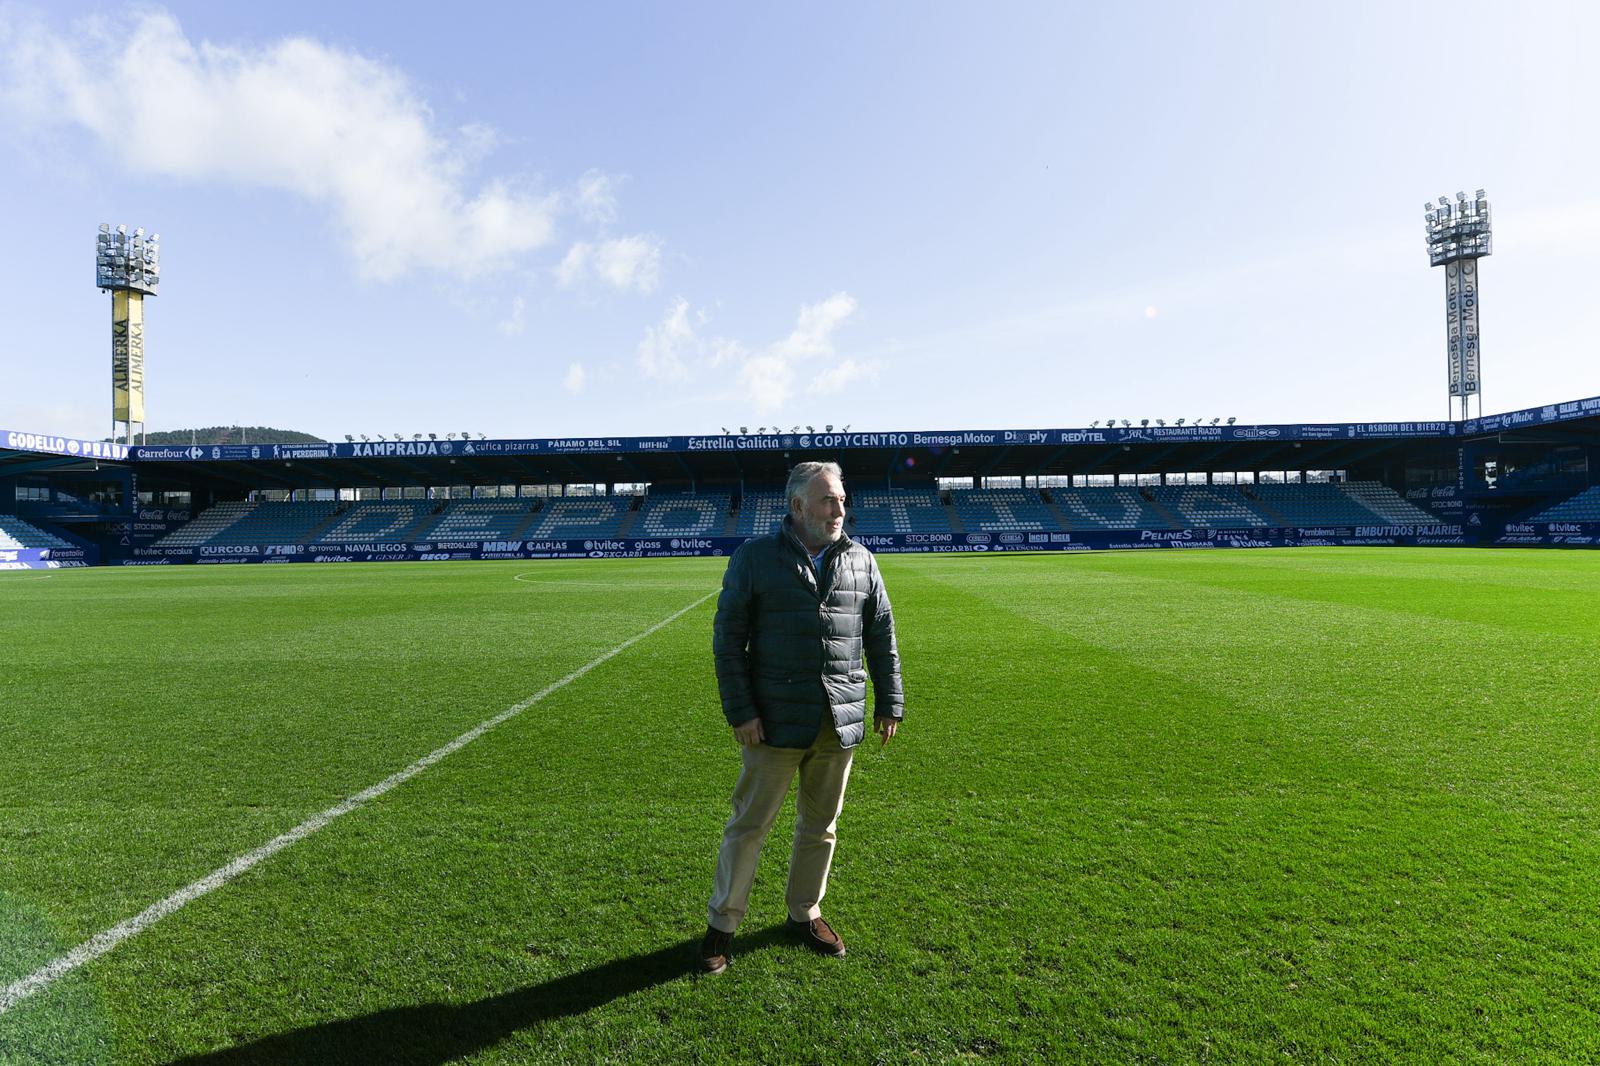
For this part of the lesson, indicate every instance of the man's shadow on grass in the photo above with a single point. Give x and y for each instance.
(436, 1033)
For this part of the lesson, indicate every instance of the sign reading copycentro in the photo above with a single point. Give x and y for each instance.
(797, 445)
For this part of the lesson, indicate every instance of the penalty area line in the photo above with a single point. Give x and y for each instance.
(103, 942)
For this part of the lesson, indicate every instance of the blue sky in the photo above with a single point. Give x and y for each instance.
(625, 219)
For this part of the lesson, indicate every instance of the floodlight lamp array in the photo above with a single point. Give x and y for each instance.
(1459, 230)
(127, 261)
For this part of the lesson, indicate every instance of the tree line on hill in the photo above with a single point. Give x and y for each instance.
(231, 435)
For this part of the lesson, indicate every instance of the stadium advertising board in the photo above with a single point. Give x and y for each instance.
(1533, 416)
(822, 443)
(127, 356)
(789, 442)
(888, 543)
(45, 558)
(17, 440)
(1548, 535)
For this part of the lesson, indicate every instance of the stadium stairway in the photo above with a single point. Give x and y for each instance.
(951, 513)
(1173, 521)
(630, 518)
(1055, 512)
(207, 524)
(1265, 508)
(316, 531)
(1386, 503)
(521, 530)
(424, 523)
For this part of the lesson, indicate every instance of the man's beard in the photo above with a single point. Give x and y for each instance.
(819, 533)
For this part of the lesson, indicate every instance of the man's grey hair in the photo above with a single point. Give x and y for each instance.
(802, 474)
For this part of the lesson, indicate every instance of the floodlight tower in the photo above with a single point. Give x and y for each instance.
(1458, 236)
(128, 268)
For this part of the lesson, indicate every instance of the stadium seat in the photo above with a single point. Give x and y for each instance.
(1002, 510)
(1107, 508)
(1584, 507)
(277, 523)
(682, 515)
(207, 524)
(477, 520)
(582, 516)
(1317, 504)
(897, 511)
(1210, 506)
(1386, 503)
(16, 533)
(761, 512)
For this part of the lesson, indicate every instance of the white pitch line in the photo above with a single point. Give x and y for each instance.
(103, 942)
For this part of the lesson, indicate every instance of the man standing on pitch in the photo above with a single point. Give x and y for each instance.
(797, 610)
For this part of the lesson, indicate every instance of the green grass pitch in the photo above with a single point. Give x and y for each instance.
(1278, 805)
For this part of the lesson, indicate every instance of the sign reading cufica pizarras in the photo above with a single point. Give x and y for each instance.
(795, 445)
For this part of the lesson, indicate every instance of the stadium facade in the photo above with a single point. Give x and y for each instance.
(1521, 478)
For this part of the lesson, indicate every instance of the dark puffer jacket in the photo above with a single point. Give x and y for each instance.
(789, 649)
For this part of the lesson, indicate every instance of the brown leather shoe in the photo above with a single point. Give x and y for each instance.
(715, 950)
(819, 936)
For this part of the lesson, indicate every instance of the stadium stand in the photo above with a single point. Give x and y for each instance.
(1584, 507)
(760, 513)
(368, 520)
(1321, 504)
(1002, 510)
(1107, 508)
(1386, 503)
(15, 533)
(479, 520)
(206, 525)
(897, 511)
(581, 516)
(1210, 506)
(682, 515)
(911, 510)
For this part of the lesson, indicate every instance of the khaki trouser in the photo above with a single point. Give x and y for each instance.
(757, 797)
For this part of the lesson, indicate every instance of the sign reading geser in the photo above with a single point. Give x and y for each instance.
(127, 356)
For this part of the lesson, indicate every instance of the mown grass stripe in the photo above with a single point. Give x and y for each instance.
(107, 940)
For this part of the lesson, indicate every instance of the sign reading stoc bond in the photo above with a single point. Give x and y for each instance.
(1545, 534)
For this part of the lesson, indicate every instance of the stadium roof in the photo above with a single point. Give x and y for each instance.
(911, 455)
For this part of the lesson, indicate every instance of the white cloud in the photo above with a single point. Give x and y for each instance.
(724, 350)
(623, 263)
(664, 351)
(513, 324)
(768, 378)
(326, 124)
(836, 379)
(596, 198)
(674, 351)
(767, 381)
(575, 378)
(813, 332)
